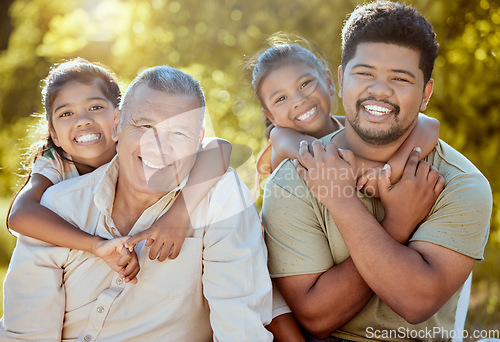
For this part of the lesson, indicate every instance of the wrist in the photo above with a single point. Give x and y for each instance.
(397, 231)
(93, 243)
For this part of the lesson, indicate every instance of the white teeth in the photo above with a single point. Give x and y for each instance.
(87, 138)
(377, 110)
(153, 166)
(306, 115)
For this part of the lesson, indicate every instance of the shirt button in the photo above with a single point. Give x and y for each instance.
(119, 281)
(87, 338)
(100, 309)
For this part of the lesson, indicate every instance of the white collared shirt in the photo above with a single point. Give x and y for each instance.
(217, 288)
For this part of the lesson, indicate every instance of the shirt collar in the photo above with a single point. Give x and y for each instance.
(104, 194)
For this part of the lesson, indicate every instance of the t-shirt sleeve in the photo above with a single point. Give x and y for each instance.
(460, 218)
(49, 166)
(295, 239)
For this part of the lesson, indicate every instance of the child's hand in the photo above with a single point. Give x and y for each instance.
(408, 202)
(166, 235)
(121, 260)
(368, 182)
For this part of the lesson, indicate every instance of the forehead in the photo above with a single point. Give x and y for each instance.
(386, 56)
(155, 105)
(73, 91)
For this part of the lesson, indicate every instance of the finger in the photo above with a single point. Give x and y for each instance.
(318, 149)
(365, 178)
(440, 184)
(301, 171)
(331, 149)
(176, 249)
(347, 156)
(305, 157)
(412, 163)
(423, 169)
(125, 258)
(384, 180)
(149, 242)
(155, 249)
(131, 271)
(165, 251)
(433, 175)
(134, 239)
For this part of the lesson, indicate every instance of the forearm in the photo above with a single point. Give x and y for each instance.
(285, 329)
(211, 163)
(398, 274)
(331, 301)
(38, 222)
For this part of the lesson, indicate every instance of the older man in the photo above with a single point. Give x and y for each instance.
(218, 288)
(343, 269)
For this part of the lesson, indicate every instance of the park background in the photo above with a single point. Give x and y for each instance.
(212, 40)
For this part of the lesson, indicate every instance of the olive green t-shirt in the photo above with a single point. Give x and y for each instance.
(302, 238)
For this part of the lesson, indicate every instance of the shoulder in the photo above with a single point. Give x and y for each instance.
(457, 169)
(71, 190)
(229, 186)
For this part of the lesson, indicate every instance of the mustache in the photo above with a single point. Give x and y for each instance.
(371, 98)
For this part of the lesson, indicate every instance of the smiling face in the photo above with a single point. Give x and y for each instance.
(82, 123)
(158, 140)
(383, 90)
(296, 95)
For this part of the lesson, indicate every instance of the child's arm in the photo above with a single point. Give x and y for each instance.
(167, 234)
(28, 217)
(425, 135)
(285, 329)
(286, 143)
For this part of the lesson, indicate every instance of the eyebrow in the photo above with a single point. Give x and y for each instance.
(89, 99)
(306, 74)
(401, 71)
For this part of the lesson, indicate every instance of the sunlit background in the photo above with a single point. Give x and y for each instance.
(212, 40)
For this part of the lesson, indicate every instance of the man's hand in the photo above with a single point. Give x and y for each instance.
(121, 260)
(408, 202)
(330, 174)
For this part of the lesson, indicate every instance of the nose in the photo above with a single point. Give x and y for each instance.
(298, 98)
(155, 143)
(84, 120)
(380, 89)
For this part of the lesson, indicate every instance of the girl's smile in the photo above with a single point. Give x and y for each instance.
(82, 122)
(295, 95)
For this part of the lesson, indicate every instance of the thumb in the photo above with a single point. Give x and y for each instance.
(384, 180)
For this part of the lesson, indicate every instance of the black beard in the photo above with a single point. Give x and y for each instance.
(377, 137)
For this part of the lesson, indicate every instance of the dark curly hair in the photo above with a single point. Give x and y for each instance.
(394, 23)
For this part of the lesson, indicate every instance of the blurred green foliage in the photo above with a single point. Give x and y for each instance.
(213, 39)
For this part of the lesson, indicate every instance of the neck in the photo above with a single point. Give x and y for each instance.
(331, 126)
(128, 206)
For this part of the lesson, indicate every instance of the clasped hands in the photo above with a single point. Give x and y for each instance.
(333, 177)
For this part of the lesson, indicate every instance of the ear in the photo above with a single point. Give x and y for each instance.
(329, 80)
(427, 94)
(202, 136)
(268, 115)
(116, 125)
(340, 75)
(53, 135)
